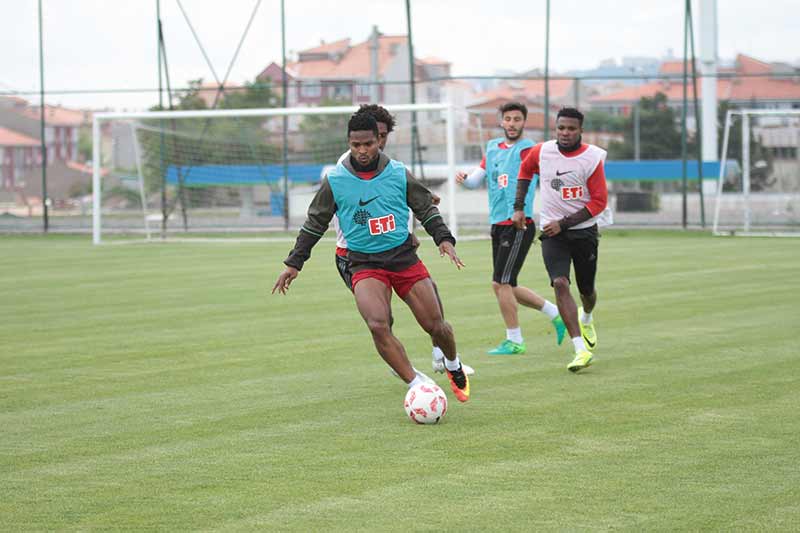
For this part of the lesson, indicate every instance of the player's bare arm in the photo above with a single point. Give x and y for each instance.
(518, 218)
(447, 248)
(284, 280)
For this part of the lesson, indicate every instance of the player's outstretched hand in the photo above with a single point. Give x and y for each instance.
(447, 248)
(436, 199)
(284, 280)
(461, 176)
(518, 219)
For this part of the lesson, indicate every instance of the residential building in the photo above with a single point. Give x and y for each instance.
(374, 71)
(19, 154)
(749, 83)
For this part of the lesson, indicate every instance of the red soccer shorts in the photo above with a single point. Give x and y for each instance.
(401, 281)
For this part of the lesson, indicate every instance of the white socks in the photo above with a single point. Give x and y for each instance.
(416, 381)
(586, 318)
(437, 353)
(579, 345)
(452, 365)
(514, 335)
(550, 309)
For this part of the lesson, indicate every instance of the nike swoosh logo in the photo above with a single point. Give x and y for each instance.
(362, 203)
(589, 344)
(562, 173)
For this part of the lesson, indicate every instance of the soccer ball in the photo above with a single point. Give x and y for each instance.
(425, 403)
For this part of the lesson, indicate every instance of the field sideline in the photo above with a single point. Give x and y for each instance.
(163, 387)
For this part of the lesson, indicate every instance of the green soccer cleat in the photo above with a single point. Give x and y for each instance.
(561, 329)
(588, 332)
(508, 347)
(581, 361)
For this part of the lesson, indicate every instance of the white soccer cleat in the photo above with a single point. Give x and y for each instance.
(437, 362)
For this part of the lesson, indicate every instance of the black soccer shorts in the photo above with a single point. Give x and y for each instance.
(343, 266)
(509, 248)
(575, 246)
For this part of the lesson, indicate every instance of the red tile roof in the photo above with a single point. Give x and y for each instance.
(57, 115)
(323, 48)
(354, 63)
(676, 67)
(739, 89)
(527, 89)
(12, 138)
(750, 65)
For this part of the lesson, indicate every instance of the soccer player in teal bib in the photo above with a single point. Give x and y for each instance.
(509, 245)
(371, 194)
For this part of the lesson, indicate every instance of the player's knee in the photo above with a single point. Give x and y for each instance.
(561, 284)
(440, 328)
(496, 286)
(379, 327)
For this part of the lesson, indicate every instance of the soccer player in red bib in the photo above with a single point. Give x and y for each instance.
(574, 199)
(510, 245)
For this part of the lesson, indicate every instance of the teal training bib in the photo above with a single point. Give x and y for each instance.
(373, 214)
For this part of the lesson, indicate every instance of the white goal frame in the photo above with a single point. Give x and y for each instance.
(100, 118)
(745, 115)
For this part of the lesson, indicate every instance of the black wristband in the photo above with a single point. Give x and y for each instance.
(522, 192)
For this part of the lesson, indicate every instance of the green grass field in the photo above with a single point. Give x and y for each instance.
(163, 387)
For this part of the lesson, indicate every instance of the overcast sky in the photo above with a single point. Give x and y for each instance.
(111, 44)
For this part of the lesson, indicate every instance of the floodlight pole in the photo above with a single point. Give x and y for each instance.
(163, 184)
(637, 144)
(285, 87)
(413, 87)
(45, 219)
(547, 73)
(698, 135)
(683, 111)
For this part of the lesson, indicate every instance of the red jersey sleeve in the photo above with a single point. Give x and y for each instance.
(530, 164)
(598, 191)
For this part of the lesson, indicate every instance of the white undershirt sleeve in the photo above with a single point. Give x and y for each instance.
(475, 178)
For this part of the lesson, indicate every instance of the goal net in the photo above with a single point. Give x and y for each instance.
(762, 195)
(168, 174)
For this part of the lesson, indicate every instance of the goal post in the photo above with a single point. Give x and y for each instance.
(763, 198)
(210, 171)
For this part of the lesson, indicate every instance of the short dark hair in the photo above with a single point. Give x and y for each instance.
(570, 112)
(362, 122)
(514, 106)
(380, 114)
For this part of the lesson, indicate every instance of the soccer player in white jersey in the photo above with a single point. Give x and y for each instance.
(574, 199)
(386, 125)
(510, 245)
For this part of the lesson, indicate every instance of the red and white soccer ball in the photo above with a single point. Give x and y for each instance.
(425, 403)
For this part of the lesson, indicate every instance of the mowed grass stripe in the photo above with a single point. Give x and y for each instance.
(163, 387)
